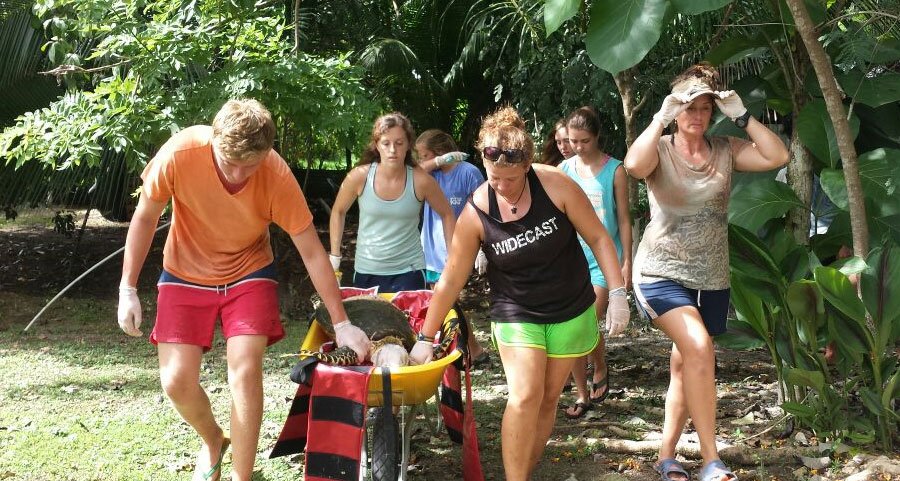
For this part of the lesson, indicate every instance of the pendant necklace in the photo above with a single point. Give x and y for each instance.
(512, 205)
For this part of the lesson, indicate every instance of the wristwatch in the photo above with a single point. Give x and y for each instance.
(423, 337)
(743, 120)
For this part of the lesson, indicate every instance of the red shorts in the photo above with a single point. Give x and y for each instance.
(187, 313)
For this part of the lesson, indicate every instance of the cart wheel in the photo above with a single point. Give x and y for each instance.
(385, 446)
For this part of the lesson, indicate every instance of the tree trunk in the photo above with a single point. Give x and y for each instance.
(625, 84)
(799, 177)
(822, 65)
(297, 27)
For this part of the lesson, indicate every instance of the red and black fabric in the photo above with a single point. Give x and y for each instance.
(328, 419)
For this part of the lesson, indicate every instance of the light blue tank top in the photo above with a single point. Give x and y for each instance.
(387, 242)
(599, 190)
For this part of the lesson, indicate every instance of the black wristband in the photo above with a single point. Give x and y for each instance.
(743, 120)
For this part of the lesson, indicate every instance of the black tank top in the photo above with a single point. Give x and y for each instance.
(537, 272)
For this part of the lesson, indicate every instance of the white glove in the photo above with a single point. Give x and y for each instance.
(422, 352)
(346, 334)
(481, 263)
(672, 105)
(617, 312)
(129, 313)
(335, 262)
(450, 158)
(730, 104)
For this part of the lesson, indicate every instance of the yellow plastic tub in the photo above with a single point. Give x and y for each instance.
(409, 385)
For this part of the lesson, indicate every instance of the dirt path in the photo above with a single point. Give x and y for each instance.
(613, 441)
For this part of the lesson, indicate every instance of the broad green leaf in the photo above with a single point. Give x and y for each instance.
(835, 187)
(740, 336)
(880, 284)
(755, 203)
(750, 257)
(556, 12)
(802, 411)
(850, 265)
(735, 49)
(851, 342)
(873, 91)
(886, 228)
(749, 307)
(693, 7)
(621, 32)
(838, 290)
(891, 389)
(807, 308)
(801, 377)
(817, 132)
(871, 400)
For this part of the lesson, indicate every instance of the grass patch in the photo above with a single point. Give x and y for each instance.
(79, 400)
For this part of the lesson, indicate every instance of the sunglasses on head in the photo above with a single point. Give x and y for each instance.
(513, 156)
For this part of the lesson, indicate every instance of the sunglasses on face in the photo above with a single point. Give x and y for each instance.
(513, 156)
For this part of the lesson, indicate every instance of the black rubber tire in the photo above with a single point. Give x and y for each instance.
(385, 446)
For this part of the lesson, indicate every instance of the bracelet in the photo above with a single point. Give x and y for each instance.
(128, 289)
(423, 337)
(618, 292)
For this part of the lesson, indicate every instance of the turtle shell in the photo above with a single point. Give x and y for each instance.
(375, 316)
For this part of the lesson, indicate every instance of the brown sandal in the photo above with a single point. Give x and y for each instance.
(581, 408)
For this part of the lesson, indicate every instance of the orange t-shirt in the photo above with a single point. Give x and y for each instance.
(217, 237)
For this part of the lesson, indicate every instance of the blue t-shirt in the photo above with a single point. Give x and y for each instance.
(599, 190)
(457, 185)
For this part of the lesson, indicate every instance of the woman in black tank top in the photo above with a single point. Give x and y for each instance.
(526, 219)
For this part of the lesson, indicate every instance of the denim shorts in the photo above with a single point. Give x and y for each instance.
(657, 298)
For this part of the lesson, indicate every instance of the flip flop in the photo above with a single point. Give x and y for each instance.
(582, 409)
(214, 473)
(717, 471)
(669, 466)
(603, 383)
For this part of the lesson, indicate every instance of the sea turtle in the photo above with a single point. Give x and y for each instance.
(387, 327)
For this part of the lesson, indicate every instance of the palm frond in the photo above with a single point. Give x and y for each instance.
(21, 88)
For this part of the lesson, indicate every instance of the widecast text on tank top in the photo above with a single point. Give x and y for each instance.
(523, 239)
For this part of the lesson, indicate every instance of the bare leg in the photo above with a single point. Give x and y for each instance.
(599, 353)
(179, 373)
(691, 391)
(245, 357)
(475, 348)
(580, 376)
(557, 371)
(525, 376)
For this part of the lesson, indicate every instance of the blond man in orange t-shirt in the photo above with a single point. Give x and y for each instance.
(226, 184)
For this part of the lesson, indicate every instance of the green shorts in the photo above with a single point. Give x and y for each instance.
(573, 338)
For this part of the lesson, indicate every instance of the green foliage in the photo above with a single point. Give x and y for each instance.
(754, 203)
(145, 70)
(817, 132)
(621, 32)
(556, 12)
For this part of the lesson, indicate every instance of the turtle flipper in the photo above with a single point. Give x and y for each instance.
(342, 356)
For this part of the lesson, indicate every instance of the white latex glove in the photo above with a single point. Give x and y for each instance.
(335, 262)
(346, 334)
(129, 312)
(422, 352)
(617, 312)
(730, 104)
(481, 263)
(672, 105)
(450, 158)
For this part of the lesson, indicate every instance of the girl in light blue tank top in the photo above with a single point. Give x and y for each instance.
(388, 238)
(605, 184)
(600, 192)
